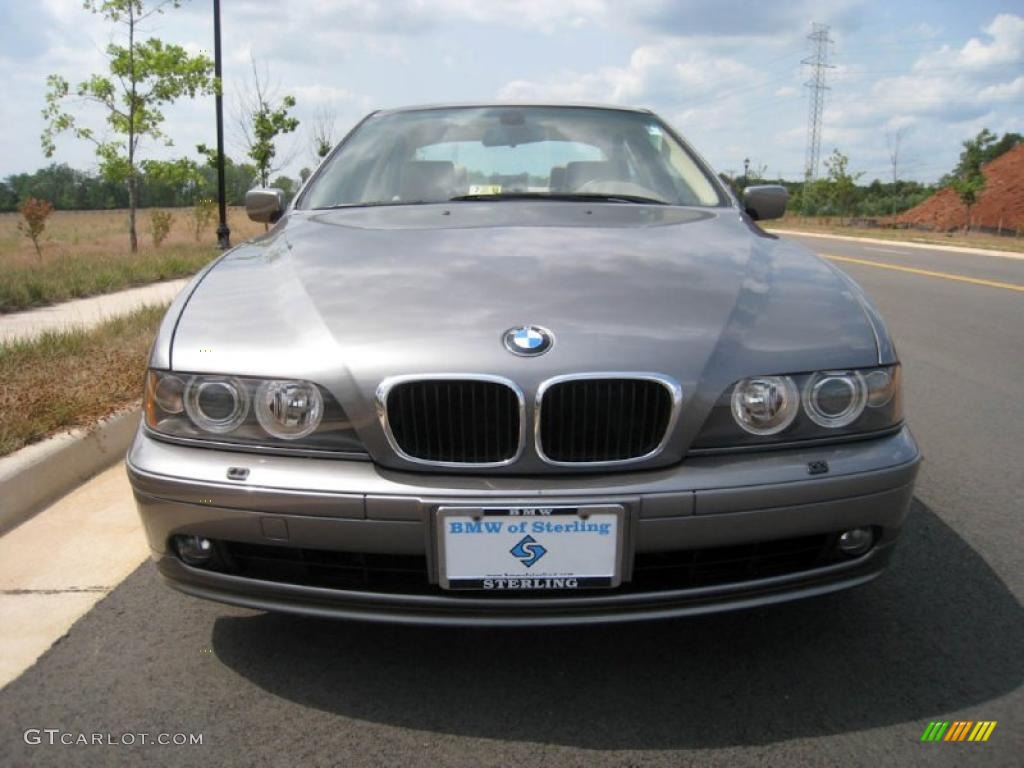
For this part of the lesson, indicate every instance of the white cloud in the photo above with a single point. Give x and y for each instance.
(544, 15)
(710, 95)
(399, 17)
(726, 72)
(739, 18)
(1005, 49)
(666, 71)
(956, 84)
(322, 94)
(1002, 91)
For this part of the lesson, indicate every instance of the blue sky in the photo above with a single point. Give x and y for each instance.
(725, 73)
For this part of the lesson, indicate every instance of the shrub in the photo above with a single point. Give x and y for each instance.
(160, 226)
(34, 213)
(202, 215)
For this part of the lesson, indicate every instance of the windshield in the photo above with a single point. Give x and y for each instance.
(438, 155)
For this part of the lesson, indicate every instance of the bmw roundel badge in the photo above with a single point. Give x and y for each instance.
(528, 340)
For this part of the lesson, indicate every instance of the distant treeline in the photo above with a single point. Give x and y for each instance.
(839, 192)
(879, 198)
(826, 197)
(72, 190)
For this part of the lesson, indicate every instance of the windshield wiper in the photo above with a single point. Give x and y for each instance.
(374, 204)
(579, 197)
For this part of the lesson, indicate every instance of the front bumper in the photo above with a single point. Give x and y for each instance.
(704, 504)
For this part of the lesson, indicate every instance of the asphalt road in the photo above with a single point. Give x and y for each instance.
(848, 679)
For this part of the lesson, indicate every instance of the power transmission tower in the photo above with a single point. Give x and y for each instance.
(818, 60)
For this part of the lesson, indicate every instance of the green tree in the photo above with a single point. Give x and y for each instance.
(143, 76)
(286, 184)
(239, 178)
(263, 116)
(968, 189)
(1004, 145)
(8, 196)
(170, 183)
(841, 185)
(968, 179)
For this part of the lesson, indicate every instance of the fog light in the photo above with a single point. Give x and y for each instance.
(194, 550)
(856, 541)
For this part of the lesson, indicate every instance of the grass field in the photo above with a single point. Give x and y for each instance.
(72, 378)
(85, 253)
(833, 226)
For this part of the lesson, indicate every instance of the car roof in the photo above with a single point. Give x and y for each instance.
(499, 104)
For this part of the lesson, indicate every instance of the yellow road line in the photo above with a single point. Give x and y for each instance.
(927, 272)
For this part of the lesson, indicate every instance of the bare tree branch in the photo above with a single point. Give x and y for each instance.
(893, 142)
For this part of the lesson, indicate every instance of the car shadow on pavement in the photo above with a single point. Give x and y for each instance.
(938, 633)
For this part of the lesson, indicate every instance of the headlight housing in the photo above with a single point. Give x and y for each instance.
(824, 405)
(288, 410)
(765, 405)
(262, 414)
(217, 404)
(835, 399)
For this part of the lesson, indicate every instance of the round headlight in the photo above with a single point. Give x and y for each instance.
(835, 399)
(765, 405)
(169, 393)
(289, 409)
(216, 404)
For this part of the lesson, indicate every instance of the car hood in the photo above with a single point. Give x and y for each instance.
(351, 296)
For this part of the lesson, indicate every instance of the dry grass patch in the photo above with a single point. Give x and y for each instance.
(72, 277)
(72, 378)
(85, 253)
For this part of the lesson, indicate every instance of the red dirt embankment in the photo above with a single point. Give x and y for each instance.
(1001, 205)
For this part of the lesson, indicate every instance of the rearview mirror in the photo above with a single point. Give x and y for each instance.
(765, 201)
(264, 205)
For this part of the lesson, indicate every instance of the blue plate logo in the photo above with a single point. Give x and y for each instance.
(528, 551)
(528, 340)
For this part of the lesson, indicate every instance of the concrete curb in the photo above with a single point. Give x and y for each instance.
(43, 472)
(902, 243)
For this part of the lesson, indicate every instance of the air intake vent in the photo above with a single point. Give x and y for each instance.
(454, 421)
(593, 420)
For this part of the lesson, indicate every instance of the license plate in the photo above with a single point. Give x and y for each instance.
(530, 548)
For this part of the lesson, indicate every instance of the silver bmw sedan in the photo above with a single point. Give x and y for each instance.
(516, 365)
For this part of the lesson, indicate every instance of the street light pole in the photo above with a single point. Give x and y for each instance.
(223, 232)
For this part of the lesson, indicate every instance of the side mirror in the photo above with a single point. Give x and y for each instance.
(765, 201)
(264, 205)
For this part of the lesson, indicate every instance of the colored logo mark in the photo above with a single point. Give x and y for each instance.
(959, 730)
(528, 551)
(528, 340)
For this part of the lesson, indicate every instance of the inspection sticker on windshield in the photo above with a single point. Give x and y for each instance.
(523, 549)
(485, 189)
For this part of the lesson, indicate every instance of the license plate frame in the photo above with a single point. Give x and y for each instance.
(600, 560)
